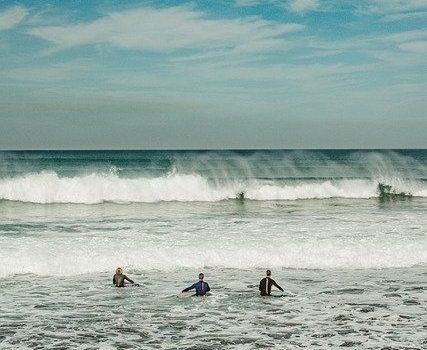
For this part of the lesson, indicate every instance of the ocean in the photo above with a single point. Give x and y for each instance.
(343, 231)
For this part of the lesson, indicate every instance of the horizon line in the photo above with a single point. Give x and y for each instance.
(206, 149)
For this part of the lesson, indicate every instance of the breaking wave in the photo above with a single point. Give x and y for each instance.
(49, 187)
(147, 177)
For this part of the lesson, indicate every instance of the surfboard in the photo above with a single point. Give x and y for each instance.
(277, 294)
(190, 294)
(132, 285)
(185, 295)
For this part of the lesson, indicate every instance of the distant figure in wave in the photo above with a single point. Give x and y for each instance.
(266, 283)
(119, 278)
(201, 286)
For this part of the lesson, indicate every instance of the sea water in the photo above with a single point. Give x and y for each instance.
(351, 258)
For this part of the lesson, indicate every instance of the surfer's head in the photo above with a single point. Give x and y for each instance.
(119, 271)
(201, 275)
(268, 272)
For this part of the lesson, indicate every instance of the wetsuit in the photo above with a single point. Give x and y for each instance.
(201, 288)
(265, 286)
(119, 280)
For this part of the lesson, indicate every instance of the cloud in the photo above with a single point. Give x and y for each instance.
(165, 30)
(415, 46)
(299, 6)
(248, 3)
(308, 73)
(405, 16)
(394, 6)
(303, 5)
(394, 10)
(405, 36)
(11, 17)
(365, 43)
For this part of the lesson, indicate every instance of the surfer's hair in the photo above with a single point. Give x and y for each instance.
(201, 275)
(268, 272)
(119, 270)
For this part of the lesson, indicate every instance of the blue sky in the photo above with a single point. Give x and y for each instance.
(213, 74)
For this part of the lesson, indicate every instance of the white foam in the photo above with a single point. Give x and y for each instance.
(325, 189)
(48, 187)
(80, 256)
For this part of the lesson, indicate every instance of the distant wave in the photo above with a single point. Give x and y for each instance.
(49, 187)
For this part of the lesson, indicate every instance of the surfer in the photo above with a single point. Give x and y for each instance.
(201, 286)
(119, 278)
(266, 283)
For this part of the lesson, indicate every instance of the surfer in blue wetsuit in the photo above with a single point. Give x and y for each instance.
(266, 283)
(119, 278)
(201, 286)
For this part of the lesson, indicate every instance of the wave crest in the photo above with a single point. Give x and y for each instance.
(48, 187)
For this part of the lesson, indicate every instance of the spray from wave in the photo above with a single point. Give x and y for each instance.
(212, 176)
(48, 187)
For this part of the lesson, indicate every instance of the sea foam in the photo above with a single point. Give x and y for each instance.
(73, 256)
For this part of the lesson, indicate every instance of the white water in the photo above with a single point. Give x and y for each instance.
(72, 257)
(70, 239)
(48, 187)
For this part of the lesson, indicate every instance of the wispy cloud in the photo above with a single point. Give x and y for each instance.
(415, 46)
(12, 16)
(365, 44)
(306, 77)
(166, 30)
(405, 36)
(303, 5)
(245, 3)
(299, 6)
(394, 10)
(405, 16)
(394, 6)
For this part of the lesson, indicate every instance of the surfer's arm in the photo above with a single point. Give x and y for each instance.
(114, 280)
(207, 287)
(189, 288)
(128, 279)
(277, 286)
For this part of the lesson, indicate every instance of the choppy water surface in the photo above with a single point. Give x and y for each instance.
(353, 264)
(367, 309)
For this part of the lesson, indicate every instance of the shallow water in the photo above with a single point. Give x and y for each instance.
(353, 279)
(368, 309)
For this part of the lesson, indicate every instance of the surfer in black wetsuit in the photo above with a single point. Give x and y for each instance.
(266, 283)
(119, 278)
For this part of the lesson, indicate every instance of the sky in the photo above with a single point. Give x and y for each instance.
(245, 74)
